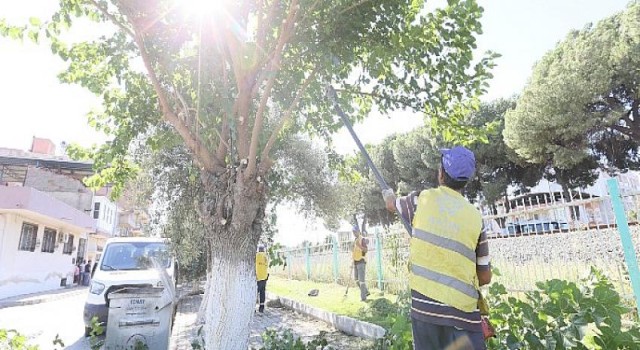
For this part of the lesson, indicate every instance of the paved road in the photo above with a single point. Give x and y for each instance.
(41, 322)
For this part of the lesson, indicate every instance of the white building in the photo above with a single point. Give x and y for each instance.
(105, 213)
(546, 207)
(40, 238)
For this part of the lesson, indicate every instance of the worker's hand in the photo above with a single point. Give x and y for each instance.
(389, 199)
(388, 195)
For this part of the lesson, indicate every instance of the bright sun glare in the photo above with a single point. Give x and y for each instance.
(200, 7)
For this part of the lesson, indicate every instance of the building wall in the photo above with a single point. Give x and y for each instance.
(95, 247)
(63, 188)
(106, 216)
(24, 272)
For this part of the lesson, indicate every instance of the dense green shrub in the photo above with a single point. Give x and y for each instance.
(563, 315)
(559, 315)
(377, 312)
(398, 336)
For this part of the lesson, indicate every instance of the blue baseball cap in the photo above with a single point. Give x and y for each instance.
(459, 163)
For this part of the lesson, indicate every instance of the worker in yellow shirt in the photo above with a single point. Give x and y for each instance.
(359, 263)
(261, 275)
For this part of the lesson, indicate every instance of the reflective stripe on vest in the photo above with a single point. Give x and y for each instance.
(357, 253)
(446, 228)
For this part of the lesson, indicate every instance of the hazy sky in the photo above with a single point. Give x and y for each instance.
(34, 103)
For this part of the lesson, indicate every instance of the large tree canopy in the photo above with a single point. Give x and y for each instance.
(498, 167)
(582, 103)
(234, 78)
(410, 162)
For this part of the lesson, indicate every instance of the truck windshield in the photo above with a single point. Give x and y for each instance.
(134, 256)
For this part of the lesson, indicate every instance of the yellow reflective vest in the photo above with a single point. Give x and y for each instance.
(357, 253)
(261, 266)
(446, 228)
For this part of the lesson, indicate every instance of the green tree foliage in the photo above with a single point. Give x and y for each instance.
(234, 80)
(498, 167)
(581, 108)
(410, 162)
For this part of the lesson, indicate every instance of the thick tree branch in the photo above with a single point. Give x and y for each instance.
(241, 109)
(286, 31)
(621, 129)
(113, 19)
(223, 146)
(261, 37)
(261, 42)
(283, 121)
(193, 142)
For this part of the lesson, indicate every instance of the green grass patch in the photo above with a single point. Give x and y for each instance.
(331, 297)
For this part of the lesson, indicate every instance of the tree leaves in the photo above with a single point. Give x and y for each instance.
(561, 315)
(580, 103)
(407, 58)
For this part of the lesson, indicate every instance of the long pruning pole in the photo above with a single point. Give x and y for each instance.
(333, 97)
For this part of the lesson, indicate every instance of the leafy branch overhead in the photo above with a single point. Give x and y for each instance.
(232, 82)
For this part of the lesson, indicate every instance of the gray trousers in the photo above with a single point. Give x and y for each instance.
(428, 336)
(359, 269)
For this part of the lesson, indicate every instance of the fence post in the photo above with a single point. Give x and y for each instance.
(379, 259)
(307, 259)
(625, 237)
(289, 261)
(335, 259)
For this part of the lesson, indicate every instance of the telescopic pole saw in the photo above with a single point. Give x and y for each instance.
(331, 94)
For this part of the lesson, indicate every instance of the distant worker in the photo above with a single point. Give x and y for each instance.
(83, 263)
(262, 275)
(87, 273)
(359, 262)
(76, 274)
(449, 258)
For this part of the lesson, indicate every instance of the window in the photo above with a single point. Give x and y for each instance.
(68, 245)
(135, 256)
(96, 210)
(49, 240)
(28, 237)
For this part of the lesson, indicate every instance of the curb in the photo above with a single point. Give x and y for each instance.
(42, 299)
(344, 324)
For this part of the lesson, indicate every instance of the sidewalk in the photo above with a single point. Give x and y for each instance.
(42, 297)
(185, 328)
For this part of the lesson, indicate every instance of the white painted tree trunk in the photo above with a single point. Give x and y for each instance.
(230, 304)
(203, 305)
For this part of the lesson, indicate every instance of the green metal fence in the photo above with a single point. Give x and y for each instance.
(541, 237)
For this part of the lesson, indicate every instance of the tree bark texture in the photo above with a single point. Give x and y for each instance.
(234, 211)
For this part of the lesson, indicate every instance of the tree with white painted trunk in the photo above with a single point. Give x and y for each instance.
(231, 79)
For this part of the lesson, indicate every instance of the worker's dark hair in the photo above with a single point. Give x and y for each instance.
(450, 182)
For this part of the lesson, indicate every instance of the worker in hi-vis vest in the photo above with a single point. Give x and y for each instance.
(261, 275)
(359, 262)
(449, 256)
